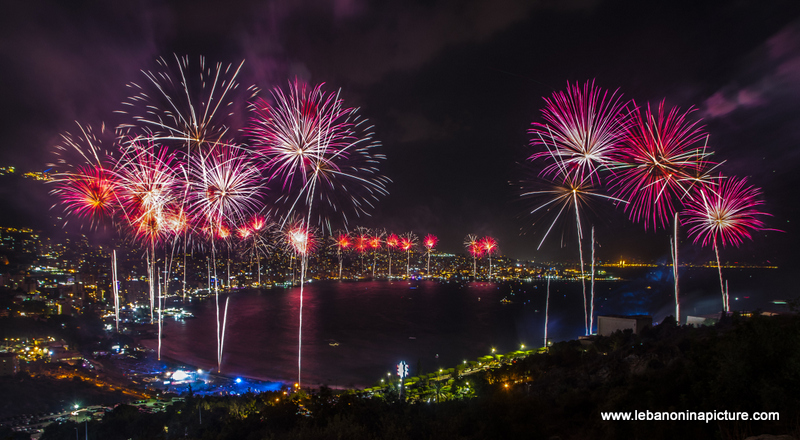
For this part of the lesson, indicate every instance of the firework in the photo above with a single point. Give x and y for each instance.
(407, 242)
(489, 247)
(342, 243)
(430, 243)
(318, 150)
(88, 193)
(115, 287)
(375, 244)
(583, 129)
(727, 213)
(223, 186)
(392, 242)
(258, 230)
(361, 244)
(471, 243)
(674, 251)
(87, 189)
(591, 295)
(568, 192)
(148, 190)
(660, 164)
(302, 242)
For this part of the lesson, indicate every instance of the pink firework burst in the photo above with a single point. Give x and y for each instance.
(660, 164)
(473, 246)
(88, 193)
(583, 130)
(728, 213)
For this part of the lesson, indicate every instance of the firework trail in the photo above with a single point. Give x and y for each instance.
(567, 192)
(115, 287)
(546, 311)
(186, 105)
(375, 244)
(728, 213)
(430, 243)
(302, 242)
(489, 247)
(223, 186)
(674, 251)
(591, 294)
(148, 187)
(392, 242)
(319, 151)
(583, 129)
(361, 244)
(407, 242)
(471, 243)
(342, 243)
(256, 231)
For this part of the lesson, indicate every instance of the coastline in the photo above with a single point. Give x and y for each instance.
(219, 381)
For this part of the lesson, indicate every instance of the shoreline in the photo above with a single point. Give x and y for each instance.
(226, 378)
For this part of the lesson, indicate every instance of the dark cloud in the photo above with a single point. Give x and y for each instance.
(771, 75)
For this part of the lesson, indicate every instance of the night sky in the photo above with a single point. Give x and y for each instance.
(451, 87)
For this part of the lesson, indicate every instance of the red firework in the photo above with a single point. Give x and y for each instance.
(343, 241)
(361, 243)
(392, 241)
(406, 243)
(224, 185)
(660, 164)
(430, 241)
(488, 245)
